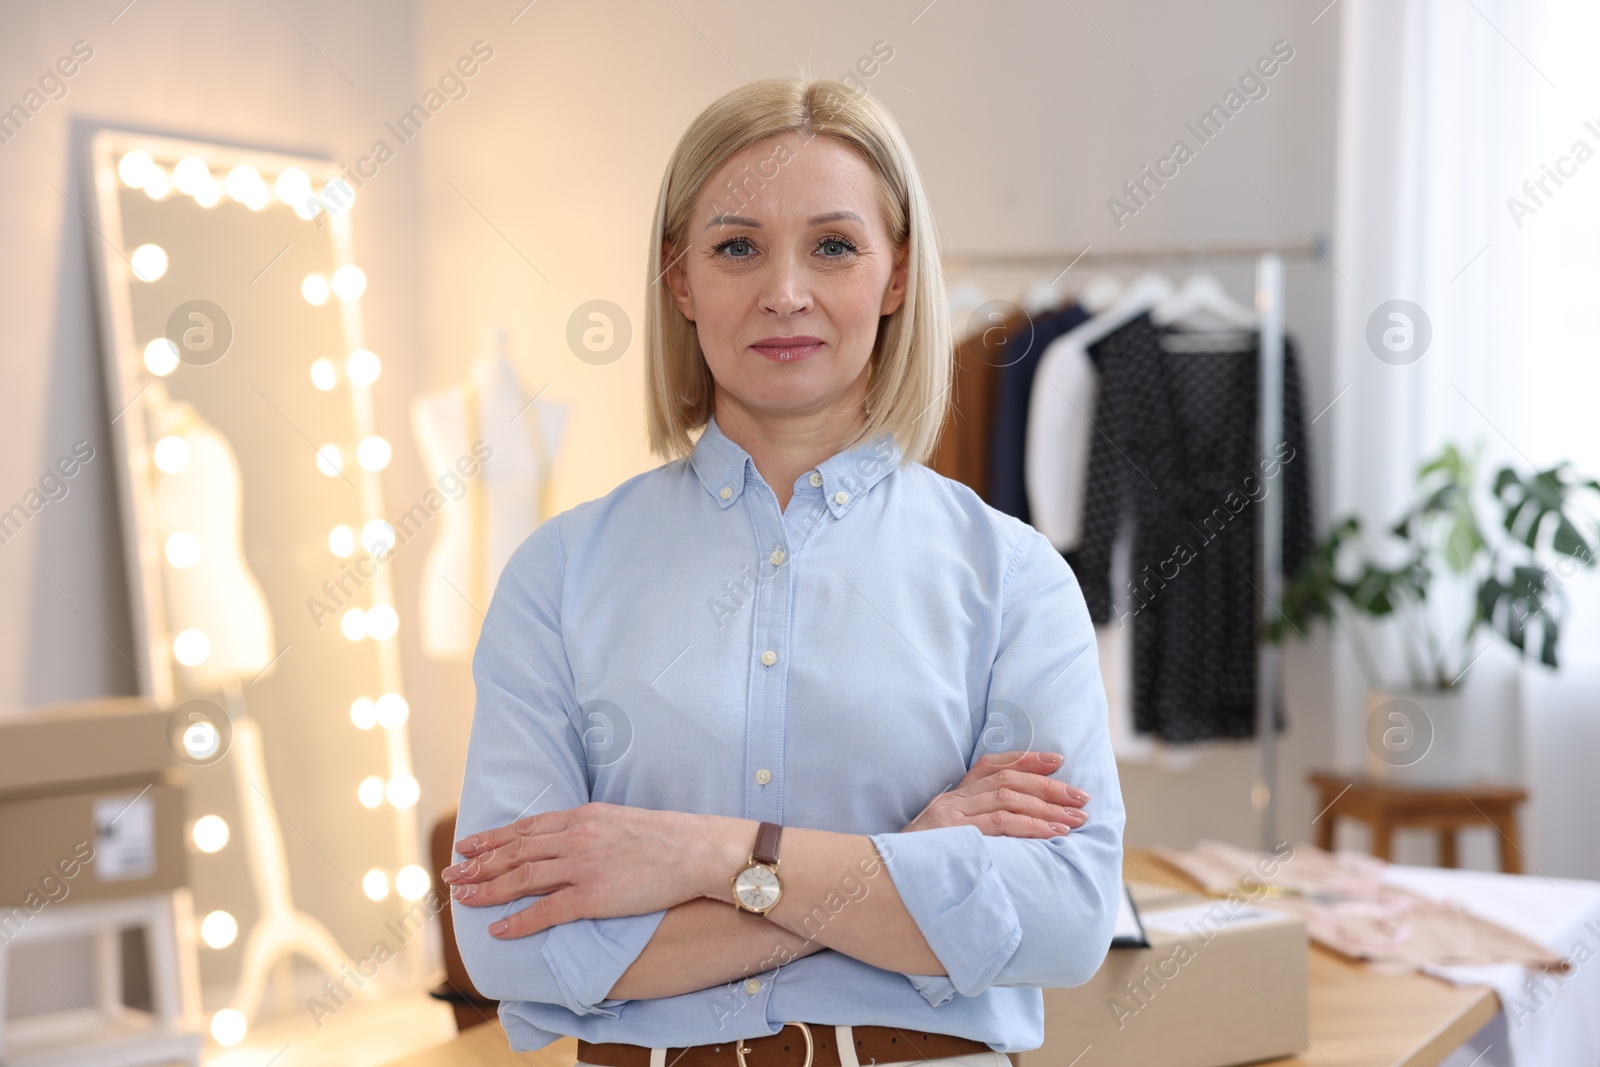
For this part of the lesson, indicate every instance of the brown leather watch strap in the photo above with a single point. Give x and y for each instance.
(766, 850)
(787, 1048)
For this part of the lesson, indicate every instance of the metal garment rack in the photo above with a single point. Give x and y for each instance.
(1269, 305)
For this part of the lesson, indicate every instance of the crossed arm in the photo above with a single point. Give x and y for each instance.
(837, 893)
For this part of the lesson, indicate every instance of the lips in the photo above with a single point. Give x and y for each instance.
(788, 349)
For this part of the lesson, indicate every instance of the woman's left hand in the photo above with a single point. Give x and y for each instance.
(593, 861)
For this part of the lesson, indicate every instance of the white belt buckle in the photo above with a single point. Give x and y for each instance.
(741, 1048)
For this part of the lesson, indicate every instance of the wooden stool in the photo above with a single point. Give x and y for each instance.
(1387, 807)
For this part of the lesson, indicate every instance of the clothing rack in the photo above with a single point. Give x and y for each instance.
(1269, 305)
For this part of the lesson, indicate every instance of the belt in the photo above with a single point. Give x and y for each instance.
(814, 1045)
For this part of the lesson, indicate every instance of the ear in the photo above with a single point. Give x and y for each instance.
(895, 293)
(676, 280)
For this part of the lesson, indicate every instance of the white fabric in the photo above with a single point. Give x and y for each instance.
(1546, 1021)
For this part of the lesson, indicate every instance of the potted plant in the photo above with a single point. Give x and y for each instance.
(1501, 578)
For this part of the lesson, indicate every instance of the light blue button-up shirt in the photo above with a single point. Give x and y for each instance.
(682, 644)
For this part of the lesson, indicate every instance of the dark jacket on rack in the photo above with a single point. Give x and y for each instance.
(1176, 454)
(1008, 437)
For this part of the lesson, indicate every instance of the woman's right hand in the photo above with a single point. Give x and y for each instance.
(1008, 794)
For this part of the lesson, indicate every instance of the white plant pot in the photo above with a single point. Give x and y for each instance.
(1420, 737)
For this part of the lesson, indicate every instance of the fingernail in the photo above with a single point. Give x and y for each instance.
(450, 874)
(1053, 757)
(1058, 828)
(464, 892)
(468, 846)
(500, 927)
(1080, 796)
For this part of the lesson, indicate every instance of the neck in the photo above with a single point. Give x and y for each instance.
(785, 446)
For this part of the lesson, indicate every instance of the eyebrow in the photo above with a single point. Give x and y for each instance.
(741, 220)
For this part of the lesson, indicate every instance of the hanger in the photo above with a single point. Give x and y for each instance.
(1040, 298)
(1100, 293)
(1203, 305)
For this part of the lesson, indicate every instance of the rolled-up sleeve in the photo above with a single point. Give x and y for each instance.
(1007, 911)
(526, 757)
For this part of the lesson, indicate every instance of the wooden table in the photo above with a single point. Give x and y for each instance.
(1358, 1018)
(1387, 807)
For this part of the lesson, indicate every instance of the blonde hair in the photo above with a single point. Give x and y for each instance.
(913, 362)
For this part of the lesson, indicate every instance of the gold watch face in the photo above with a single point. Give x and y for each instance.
(756, 887)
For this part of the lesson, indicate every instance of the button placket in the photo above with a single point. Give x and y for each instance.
(769, 653)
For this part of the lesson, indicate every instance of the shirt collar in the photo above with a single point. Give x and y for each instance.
(723, 467)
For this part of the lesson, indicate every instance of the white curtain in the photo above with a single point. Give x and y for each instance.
(1447, 108)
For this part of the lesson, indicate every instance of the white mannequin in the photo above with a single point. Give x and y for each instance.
(217, 594)
(504, 501)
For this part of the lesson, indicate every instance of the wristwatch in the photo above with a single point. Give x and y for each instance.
(756, 887)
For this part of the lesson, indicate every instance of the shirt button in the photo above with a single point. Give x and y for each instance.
(753, 986)
(840, 497)
(816, 479)
(726, 491)
(763, 776)
(769, 657)
(777, 557)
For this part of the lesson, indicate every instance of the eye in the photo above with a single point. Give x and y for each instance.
(734, 248)
(835, 247)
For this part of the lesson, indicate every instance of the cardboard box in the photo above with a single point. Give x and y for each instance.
(1223, 983)
(120, 838)
(43, 748)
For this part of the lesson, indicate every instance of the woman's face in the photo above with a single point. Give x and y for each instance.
(789, 267)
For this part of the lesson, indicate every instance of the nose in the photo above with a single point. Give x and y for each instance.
(785, 290)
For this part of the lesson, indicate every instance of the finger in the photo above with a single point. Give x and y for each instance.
(1024, 804)
(1010, 824)
(1021, 759)
(1040, 785)
(552, 910)
(484, 840)
(526, 880)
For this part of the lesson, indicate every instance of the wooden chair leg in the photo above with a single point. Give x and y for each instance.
(1447, 846)
(1382, 838)
(1325, 827)
(1510, 842)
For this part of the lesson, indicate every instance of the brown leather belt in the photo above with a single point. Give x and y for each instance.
(811, 1045)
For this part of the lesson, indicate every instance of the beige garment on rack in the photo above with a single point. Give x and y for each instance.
(1349, 908)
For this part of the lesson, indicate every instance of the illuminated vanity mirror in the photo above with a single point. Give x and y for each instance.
(241, 390)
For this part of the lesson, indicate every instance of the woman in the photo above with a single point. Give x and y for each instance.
(789, 736)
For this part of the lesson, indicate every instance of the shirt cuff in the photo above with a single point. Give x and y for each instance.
(587, 956)
(953, 891)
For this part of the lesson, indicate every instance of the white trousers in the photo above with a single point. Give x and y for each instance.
(847, 1056)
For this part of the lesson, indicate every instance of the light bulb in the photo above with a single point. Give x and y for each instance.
(149, 262)
(373, 453)
(353, 624)
(183, 549)
(402, 791)
(341, 541)
(349, 282)
(363, 713)
(219, 929)
(363, 367)
(190, 174)
(382, 622)
(208, 193)
(392, 710)
(329, 460)
(377, 535)
(411, 882)
(135, 167)
(375, 884)
(323, 376)
(315, 289)
(201, 739)
(171, 454)
(157, 186)
(161, 357)
(245, 184)
(210, 833)
(370, 791)
(191, 647)
(228, 1026)
(293, 187)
